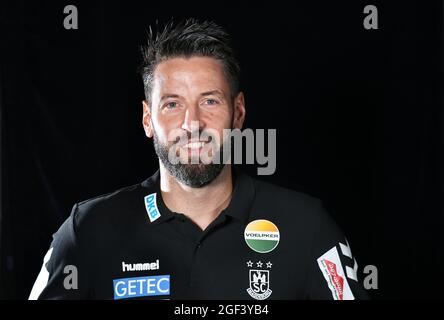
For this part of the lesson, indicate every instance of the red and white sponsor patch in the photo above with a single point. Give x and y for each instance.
(331, 268)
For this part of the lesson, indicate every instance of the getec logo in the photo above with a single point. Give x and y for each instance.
(141, 287)
(151, 207)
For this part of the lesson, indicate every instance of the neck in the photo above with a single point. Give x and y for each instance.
(201, 205)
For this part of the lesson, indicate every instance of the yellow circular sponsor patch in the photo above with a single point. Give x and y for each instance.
(262, 236)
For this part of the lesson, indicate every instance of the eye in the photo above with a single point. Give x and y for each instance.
(171, 105)
(211, 102)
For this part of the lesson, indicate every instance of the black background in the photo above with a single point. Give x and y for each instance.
(358, 115)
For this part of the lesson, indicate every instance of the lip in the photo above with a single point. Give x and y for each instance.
(195, 148)
(195, 145)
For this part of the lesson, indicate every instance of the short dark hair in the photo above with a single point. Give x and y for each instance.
(189, 38)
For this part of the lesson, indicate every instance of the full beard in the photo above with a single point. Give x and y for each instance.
(193, 175)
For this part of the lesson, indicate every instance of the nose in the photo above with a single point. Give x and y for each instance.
(192, 121)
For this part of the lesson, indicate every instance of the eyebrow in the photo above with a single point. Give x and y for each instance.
(212, 92)
(169, 95)
(203, 94)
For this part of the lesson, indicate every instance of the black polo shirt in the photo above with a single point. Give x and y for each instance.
(269, 243)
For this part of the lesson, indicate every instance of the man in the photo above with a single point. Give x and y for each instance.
(197, 229)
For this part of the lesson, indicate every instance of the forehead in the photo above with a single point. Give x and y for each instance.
(194, 73)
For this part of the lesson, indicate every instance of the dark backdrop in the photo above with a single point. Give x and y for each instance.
(358, 115)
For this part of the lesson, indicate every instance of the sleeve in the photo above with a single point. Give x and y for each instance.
(63, 274)
(333, 270)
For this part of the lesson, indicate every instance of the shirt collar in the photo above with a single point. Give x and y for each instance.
(153, 185)
(239, 207)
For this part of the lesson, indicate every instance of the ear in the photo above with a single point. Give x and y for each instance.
(239, 111)
(146, 119)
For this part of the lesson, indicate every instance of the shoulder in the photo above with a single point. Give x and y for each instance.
(300, 217)
(293, 210)
(108, 213)
(109, 202)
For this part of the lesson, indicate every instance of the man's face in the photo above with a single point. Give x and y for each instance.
(191, 105)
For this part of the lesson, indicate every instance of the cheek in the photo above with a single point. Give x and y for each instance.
(162, 128)
(219, 119)
(168, 129)
(219, 129)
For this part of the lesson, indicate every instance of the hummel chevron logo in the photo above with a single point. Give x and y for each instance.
(346, 251)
